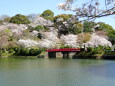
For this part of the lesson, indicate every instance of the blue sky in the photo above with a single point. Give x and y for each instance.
(25, 7)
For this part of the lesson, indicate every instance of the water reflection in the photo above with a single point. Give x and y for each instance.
(104, 70)
(56, 72)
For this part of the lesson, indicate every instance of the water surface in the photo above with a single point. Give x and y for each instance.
(56, 72)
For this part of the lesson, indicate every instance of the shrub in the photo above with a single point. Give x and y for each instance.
(21, 51)
(11, 51)
(39, 27)
(65, 47)
(34, 52)
(109, 53)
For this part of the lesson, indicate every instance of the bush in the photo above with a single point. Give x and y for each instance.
(109, 53)
(24, 51)
(90, 49)
(21, 51)
(91, 52)
(39, 27)
(11, 51)
(65, 46)
(19, 19)
(34, 52)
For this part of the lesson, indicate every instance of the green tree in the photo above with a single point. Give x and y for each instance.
(68, 24)
(76, 28)
(111, 36)
(88, 26)
(105, 27)
(19, 19)
(65, 17)
(48, 14)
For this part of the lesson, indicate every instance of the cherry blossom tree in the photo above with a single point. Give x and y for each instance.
(4, 38)
(89, 9)
(69, 40)
(83, 38)
(97, 40)
(49, 40)
(27, 42)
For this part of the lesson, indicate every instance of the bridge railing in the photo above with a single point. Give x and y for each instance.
(64, 50)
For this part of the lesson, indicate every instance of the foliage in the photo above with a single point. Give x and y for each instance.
(104, 27)
(39, 28)
(83, 37)
(48, 14)
(34, 52)
(68, 35)
(75, 28)
(111, 36)
(67, 24)
(21, 51)
(109, 30)
(65, 47)
(65, 17)
(92, 53)
(109, 53)
(6, 54)
(88, 26)
(19, 19)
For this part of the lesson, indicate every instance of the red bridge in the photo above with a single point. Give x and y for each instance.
(65, 52)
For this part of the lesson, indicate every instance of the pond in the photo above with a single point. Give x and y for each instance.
(56, 72)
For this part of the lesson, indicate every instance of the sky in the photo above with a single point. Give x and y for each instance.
(25, 7)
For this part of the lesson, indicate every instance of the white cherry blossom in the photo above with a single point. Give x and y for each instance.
(27, 42)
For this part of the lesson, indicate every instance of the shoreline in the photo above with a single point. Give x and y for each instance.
(106, 57)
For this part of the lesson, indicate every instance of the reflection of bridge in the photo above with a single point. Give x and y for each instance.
(65, 51)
